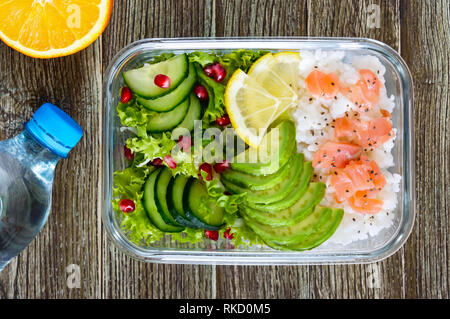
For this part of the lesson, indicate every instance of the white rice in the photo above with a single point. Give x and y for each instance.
(312, 116)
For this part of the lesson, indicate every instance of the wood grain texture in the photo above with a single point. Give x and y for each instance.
(427, 52)
(74, 234)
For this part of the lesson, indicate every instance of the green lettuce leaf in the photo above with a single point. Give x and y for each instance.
(128, 184)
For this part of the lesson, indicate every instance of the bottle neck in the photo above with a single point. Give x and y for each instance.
(24, 146)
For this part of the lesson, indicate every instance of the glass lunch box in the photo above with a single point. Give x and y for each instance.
(398, 82)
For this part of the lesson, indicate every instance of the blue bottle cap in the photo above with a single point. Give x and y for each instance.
(54, 129)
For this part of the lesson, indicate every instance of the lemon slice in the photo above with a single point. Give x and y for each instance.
(254, 100)
(250, 107)
(278, 74)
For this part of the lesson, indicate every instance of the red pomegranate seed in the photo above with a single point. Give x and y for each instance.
(127, 205)
(185, 142)
(208, 70)
(221, 167)
(219, 72)
(126, 95)
(207, 168)
(157, 162)
(163, 81)
(201, 92)
(212, 234)
(223, 121)
(128, 153)
(227, 234)
(170, 161)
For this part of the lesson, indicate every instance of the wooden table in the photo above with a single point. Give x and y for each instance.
(418, 29)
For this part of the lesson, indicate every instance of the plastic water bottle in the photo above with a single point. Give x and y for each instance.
(27, 166)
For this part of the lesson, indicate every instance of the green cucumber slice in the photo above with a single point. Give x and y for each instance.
(161, 185)
(194, 114)
(169, 101)
(141, 80)
(148, 201)
(161, 122)
(175, 201)
(199, 208)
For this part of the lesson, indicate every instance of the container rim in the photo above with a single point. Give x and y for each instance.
(186, 256)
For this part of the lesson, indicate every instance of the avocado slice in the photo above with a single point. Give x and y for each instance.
(279, 191)
(289, 235)
(293, 214)
(276, 156)
(293, 197)
(256, 183)
(325, 231)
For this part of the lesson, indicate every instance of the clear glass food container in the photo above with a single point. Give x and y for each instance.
(398, 82)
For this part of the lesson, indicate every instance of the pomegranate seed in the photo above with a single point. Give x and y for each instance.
(163, 81)
(208, 70)
(227, 234)
(221, 167)
(201, 92)
(157, 162)
(126, 95)
(207, 168)
(185, 142)
(127, 205)
(170, 161)
(128, 153)
(219, 72)
(212, 234)
(223, 121)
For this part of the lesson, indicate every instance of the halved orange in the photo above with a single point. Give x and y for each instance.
(52, 28)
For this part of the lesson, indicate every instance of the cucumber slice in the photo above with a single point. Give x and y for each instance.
(161, 185)
(175, 201)
(194, 113)
(161, 122)
(148, 201)
(141, 81)
(169, 101)
(205, 213)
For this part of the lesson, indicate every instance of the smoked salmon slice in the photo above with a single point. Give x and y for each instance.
(323, 85)
(368, 134)
(335, 155)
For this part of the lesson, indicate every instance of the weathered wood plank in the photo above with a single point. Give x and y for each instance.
(426, 50)
(123, 277)
(70, 236)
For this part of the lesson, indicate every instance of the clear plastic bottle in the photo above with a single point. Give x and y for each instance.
(27, 166)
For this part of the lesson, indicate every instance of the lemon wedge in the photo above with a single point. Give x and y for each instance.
(254, 100)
